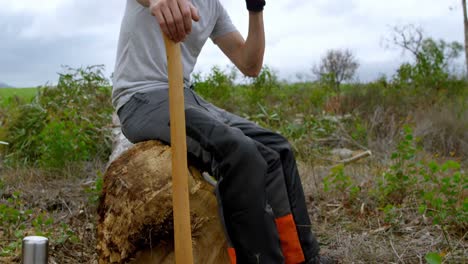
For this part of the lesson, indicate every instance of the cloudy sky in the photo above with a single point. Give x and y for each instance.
(37, 37)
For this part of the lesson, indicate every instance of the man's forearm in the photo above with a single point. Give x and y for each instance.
(254, 47)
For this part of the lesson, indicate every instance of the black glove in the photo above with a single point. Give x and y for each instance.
(255, 5)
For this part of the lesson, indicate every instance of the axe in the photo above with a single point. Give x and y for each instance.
(180, 195)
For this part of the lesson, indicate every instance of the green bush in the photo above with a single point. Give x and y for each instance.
(216, 87)
(22, 132)
(62, 142)
(438, 189)
(300, 98)
(431, 69)
(339, 181)
(443, 197)
(262, 89)
(65, 123)
(399, 181)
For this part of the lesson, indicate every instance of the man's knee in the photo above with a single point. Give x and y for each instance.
(219, 138)
(234, 145)
(282, 145)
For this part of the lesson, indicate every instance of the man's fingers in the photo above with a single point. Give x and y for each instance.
(178, 21)
(187, 17)
(162, 23)
(175, 17)
(194, 12)
(169, 23)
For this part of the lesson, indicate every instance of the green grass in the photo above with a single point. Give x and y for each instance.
(9, 94)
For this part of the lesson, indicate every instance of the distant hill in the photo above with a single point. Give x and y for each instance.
(4, 85)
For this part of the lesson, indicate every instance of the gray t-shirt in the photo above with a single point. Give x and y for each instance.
(141, 63)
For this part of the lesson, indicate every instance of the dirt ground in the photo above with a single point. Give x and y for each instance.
(346, 234)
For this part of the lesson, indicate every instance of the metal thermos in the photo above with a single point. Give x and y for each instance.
(35, 250)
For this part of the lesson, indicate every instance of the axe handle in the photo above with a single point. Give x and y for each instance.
(180, 195)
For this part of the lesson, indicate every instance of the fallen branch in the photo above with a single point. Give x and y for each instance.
(347, 161)
(357, 157)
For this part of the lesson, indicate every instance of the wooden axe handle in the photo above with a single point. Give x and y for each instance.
(180, 195)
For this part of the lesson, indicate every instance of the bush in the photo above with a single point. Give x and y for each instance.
(443, 197)
(216, 87)
(345, 186)
(431, 69)
(66, 123)
(22, 132)
(437, 189)
(399, 180)
(263, 88)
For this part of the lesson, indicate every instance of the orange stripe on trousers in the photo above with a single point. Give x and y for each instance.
(232, 255)
(289, 240)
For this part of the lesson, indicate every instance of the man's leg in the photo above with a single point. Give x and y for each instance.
(240, 170)
(278, 143)
(295, 192)
(277, 197)
(236, 162)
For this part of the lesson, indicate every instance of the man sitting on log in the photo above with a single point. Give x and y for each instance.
(259, 190)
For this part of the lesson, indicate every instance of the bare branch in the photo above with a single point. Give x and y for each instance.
(408, 37)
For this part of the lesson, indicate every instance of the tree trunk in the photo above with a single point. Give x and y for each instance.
(135, 212)
(465, 23)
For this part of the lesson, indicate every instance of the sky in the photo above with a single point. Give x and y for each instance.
(38, 37)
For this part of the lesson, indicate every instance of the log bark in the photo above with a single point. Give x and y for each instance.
(135, 212)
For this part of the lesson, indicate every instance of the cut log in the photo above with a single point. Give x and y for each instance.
(135, 211)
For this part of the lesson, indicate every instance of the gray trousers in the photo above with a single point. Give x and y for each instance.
(259, 190)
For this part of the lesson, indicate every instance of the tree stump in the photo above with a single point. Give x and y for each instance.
(135, 212)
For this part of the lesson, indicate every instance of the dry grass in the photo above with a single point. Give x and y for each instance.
(65, 200)
(443, 130)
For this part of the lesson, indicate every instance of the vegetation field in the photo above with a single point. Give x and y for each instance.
(8, 94)
(383, 164)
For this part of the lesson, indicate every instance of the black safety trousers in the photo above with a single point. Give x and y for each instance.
(259, 190)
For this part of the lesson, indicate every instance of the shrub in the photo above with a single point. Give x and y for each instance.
(339, 181)
(443, 197)
(263, 86)
(65, 123)
(431, 68)
(22, 132)
(399, 180)
(438, 189)
(216, 87)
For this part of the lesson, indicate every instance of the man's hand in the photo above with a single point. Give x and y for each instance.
(255, 5)
(174, 16)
